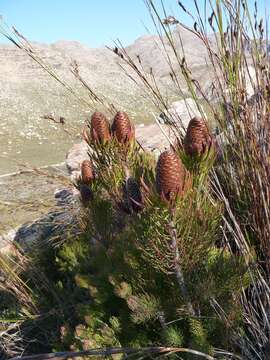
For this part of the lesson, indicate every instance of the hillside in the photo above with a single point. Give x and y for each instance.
(27, 92)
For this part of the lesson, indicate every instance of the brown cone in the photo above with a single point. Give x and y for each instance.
(171, 176)
(122, 128)
(87, 172)
(100, 127)
(198, 139)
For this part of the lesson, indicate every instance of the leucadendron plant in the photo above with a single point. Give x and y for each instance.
(150, 259)
(173, 256)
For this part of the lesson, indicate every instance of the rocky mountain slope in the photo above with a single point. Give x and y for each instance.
(27, 92)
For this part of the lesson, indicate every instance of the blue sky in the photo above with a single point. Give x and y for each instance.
(93, 22)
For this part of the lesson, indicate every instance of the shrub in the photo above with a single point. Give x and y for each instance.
(174, 254)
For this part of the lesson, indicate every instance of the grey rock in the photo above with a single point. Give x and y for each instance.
(57, 225)
(54, 226)
(64, 196)
(152, 139)
(180, 112)
(76, 155)
(6, 241)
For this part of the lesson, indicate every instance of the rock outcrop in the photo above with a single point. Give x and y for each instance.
(180, 112)
(57, 225)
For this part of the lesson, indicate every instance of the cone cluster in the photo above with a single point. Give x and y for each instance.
(198, 139)
(87, 173)
(100, 128)
(122, 128)
(171, 176)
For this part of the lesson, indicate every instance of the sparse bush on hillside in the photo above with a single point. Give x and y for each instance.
(174, 252)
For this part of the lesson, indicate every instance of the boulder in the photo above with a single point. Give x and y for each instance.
(6, 242)
(180, 112)
(152, 139)
(76, 155)
(57, 225)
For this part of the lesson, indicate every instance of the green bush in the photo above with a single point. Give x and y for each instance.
(137, 279)
(192, 272)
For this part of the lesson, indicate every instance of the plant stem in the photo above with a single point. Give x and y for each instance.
(178, 271)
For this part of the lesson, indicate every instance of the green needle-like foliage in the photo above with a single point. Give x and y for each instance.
(159, 263)
(139, 278)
